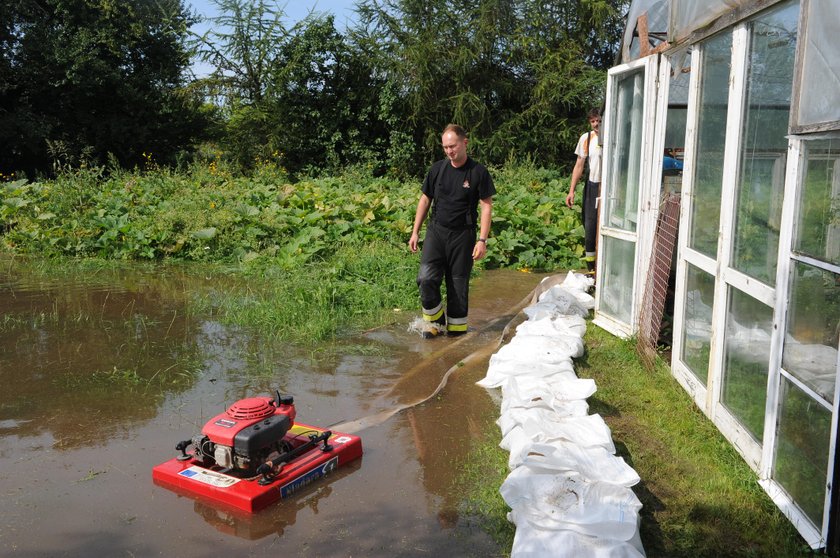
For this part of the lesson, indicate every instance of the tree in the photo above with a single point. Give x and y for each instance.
(82, 79)
(520, 75)
(300, 95)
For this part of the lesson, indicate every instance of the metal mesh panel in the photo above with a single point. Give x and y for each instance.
(659, 273)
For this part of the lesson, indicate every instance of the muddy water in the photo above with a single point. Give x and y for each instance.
(101, 373)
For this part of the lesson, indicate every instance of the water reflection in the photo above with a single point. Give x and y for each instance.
(104, 372)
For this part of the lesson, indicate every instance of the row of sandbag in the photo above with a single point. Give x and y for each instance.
(568, 492)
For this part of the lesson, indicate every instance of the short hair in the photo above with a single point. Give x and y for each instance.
(456, 129)
(593, 113)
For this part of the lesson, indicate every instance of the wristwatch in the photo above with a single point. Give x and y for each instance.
(484, 240)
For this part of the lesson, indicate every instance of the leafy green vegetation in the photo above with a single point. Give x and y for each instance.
(700, 498)
(210, 215)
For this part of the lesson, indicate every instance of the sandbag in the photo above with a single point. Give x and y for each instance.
(571, 345)
(586, 432)
(548, 392)
(560, 294)
(518, 415)
(500, 370)
(527, 354)
(563, 325)
(566, 305)
(578, 282)
(531, 542)
(557, 501)
(593, 463)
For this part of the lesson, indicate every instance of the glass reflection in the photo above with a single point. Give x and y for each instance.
(711, 141)
(800, 460)
(746, 361)
(764, 143)
(618, 280)
(818, 232)
(810, 351)
(697, 330)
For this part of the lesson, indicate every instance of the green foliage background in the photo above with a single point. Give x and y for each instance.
(210, 214)
(108, 82)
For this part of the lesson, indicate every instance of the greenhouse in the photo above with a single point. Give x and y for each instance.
(718, 230)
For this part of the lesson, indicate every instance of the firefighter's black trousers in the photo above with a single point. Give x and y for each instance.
(589, 212)
(446, 253)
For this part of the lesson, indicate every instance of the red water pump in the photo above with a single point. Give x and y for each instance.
(248, 439)
(254, 454)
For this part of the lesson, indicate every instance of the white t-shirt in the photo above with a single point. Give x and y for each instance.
(594, 154)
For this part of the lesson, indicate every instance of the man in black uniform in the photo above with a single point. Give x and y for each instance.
(459, 187)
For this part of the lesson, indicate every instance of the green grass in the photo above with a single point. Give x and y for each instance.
(350, 291)
(700, 498)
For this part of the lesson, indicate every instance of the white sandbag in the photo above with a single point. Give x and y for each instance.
(550, 392)
(531, 542)
(499, 371)
(518, 415)
(578, 282)
(560, 294)
(585, 432)
(568, 344)
(523, 354)
(593, 463)
(568, 306)
(555, 501)
(563, 325)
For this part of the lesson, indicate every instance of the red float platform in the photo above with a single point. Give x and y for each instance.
(213, 484)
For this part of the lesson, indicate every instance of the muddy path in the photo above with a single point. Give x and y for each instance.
(83, 420)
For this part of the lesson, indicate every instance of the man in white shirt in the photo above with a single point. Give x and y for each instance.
(588, 148)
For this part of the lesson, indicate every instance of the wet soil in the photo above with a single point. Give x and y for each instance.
(104, 372)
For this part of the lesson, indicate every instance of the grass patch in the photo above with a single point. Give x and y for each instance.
(479, 479)
(346, 293)
(700, 498)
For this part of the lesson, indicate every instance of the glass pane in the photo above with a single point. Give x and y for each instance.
(819, 99)
(746, 360)
(697, 330)
(764, 144)
(711, 140)
(810, 351)
(675, 122)
(802, 445)
(617, 282)
(818, 233)
(625, 161)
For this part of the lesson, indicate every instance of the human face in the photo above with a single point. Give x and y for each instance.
(595, 122)
(455, 148)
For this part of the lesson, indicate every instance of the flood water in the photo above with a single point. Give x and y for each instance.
(102, 373)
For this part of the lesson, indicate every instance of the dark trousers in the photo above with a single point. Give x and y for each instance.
(591, 191)
(446, 253)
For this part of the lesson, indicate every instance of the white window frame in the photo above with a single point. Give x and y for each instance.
(758, 456)
(647, 207)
